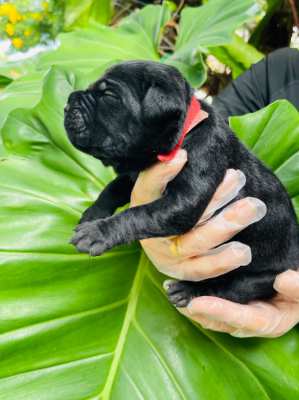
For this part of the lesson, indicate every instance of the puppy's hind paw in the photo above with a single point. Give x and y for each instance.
(178, 292)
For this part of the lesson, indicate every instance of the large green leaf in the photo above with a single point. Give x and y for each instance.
(86, 49)
(80, 13)
(274, 137)
(238, 55)
(149, 21)
(138, 37)
(12, 70)
(12, 96)
(77, 327)
(212, 24)
(23, 92)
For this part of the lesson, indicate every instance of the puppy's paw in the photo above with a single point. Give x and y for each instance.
(179, 293)
(91, 237)
(92, 213)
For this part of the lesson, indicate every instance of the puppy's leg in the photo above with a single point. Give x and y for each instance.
(175, 213)
(115, 195)
(238, 287)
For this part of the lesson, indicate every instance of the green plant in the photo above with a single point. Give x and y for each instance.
(74, 327)
(139, 36)
(81, 13)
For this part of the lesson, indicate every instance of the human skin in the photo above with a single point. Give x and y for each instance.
(200, 254)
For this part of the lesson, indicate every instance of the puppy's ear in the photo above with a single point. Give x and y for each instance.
(164, 110)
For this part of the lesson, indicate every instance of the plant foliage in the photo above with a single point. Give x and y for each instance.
(139, 35)
(76, 327)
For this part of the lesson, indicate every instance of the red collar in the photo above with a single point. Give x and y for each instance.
(194, 116)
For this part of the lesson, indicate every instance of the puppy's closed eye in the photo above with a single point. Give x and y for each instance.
(110, 93)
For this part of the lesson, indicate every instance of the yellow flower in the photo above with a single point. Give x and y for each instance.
(27, 32)
(6, 8)
(10, 30)
(17, 42)
(10, 10)
(36, 16)
(45, 5)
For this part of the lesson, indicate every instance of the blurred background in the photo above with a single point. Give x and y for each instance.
(29, 27)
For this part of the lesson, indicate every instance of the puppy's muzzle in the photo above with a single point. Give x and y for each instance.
(79, 115)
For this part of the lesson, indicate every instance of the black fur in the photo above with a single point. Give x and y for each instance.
(135, 111)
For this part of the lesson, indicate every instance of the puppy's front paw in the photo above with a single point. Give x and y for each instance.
(91, 237)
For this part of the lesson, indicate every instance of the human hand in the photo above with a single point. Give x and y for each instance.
(260, 318)
(269, 319)
(194, 256)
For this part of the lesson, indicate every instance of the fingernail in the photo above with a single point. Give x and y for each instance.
(294, 275)
(179, 158)
(238, 176)
(243, 252)
(241, 178)
(230, 172)
(239, 182)
(282, 280)
(259, 207)
(190, 308)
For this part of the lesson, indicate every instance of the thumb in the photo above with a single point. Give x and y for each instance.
(151, 182)
(170, 169)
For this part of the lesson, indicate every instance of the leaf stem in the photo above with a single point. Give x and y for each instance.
(129, 316)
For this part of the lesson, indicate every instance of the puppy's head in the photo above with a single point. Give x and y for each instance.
(135, 111)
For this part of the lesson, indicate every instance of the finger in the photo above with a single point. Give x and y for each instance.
(232, 183)
(281, 317)
(259, 318)
(219, 229)
(216, 262)
(206, 323)
(151, 182)
(287, 284)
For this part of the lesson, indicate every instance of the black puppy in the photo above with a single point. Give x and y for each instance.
(137, 111)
